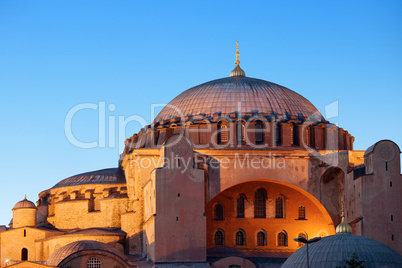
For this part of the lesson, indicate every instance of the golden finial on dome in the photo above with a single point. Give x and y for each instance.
(237, 71)
(343, 227)
(25, 197)
(237, 53)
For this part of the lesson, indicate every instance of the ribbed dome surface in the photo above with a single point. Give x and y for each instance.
(103, 176)
(232, 94)
(63, 252)
(24, 204)
(331, 251)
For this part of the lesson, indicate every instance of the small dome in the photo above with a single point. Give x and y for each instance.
(63, 252)
(103, 176)
(24, 204)
(331, 251)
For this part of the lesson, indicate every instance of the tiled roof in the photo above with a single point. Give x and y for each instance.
(98, 231)
(224, 95)
(103, 176)
(24, 204)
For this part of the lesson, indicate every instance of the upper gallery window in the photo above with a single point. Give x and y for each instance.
(219, 212)
(259, 203)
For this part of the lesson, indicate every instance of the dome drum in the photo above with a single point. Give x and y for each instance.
(245, 130)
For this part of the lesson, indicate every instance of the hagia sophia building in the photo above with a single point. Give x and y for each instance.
(227, 175)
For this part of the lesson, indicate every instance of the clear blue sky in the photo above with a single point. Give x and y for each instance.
(55, 55)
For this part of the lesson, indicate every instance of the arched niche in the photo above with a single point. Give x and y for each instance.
(332, 184)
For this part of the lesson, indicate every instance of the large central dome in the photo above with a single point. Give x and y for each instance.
(237, 93)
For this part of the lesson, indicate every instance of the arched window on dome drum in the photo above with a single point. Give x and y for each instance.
(240, 206)
(219, 238)
(261, 239)
(219, 212)
(278, 133)
(282, 239)
(300, 244)
(223, 136)
(241, 132)
(260, 197)
(302, 213)
(240, 238)
(94, 263)
(259, 133)
(279, 207)
(24, 254)
(295, 134)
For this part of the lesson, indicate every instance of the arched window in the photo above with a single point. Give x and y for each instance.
(94, 263)
(218, 212)
(219, 238)
(97, 203)
(259, 203)
(240, 238)
(240, 206)
(241, 132)
(295, 134)
(278, 133)
(302, 213)
(261, 239)
(299, 244)
(282, 239)
(223, 136)
(259, 133)
(24, 254)
(279, 207)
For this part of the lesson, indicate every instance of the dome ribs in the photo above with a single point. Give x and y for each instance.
(223, 95)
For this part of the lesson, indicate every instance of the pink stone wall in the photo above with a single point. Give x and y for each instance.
(381, 197)
(180, 227)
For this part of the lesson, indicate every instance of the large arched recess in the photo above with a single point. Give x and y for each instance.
(295, 197)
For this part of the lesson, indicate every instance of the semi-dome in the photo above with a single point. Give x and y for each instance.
(237, 93)
(24, 204)
(103, 176)
(65, 251)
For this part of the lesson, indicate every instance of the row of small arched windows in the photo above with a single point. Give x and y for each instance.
(223, 133)
(240, 238)
(260, 197)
